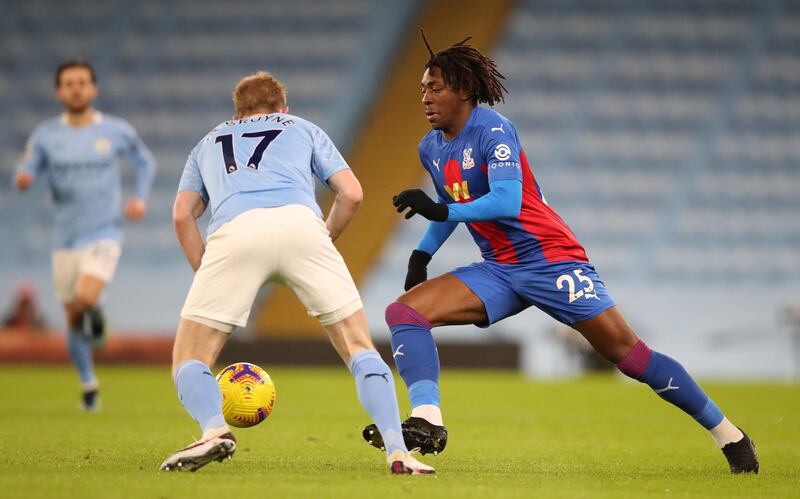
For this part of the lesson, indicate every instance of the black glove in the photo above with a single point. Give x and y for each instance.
(419, 202)
(417, 269)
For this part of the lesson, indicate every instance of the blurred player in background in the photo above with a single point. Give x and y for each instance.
(257, 174)
(531, 257)
(78, 153)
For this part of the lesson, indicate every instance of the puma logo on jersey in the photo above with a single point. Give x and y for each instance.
(436, 163)
(499, 128)
(667, 388)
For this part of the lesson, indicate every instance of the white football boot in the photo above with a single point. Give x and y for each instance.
(200, 453)
(403, 463)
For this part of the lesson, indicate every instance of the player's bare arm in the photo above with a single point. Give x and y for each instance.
(188, 207)
(348, 198)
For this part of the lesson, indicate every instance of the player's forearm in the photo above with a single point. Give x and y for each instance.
(146, 172)
(342, 212)
(435, 236)
(190, 240)
(503, 201)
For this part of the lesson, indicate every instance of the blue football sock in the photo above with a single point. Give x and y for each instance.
(79, 347)
(414, 353)
(199, 392)
(375, 386)
(671, 382)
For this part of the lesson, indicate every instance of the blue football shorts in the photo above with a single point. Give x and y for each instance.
(569, 291)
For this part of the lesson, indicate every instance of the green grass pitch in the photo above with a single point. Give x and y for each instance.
(509, 437)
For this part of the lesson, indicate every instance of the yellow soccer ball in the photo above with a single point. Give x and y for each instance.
(248, 394)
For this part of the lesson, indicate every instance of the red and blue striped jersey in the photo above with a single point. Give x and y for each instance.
(488, 149)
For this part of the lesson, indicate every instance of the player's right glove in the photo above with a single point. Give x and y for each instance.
(417, 269)
(421, 203)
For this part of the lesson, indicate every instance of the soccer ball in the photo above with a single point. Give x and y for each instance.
(248, 394)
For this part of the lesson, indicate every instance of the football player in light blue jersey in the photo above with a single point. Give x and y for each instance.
(256, 173)
(78, 155)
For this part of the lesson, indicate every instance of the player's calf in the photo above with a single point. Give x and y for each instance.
(200, 395)
(96, 326)
(417, 359)
(80, 353)
(375, 387)
(670, 381)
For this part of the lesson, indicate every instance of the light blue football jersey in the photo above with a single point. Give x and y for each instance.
(262, 161)
(82, 169)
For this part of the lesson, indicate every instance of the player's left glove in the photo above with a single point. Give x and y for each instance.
(421, 203)
(417, 269)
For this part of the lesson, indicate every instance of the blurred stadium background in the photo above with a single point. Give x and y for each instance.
(666, 133)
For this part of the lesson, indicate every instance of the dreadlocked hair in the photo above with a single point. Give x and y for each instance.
(464, 68)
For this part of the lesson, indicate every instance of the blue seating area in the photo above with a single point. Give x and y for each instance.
(665, 132)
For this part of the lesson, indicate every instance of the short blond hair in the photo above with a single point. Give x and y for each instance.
(259, 92)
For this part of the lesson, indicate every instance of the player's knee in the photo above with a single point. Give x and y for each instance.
(614, 351)
(85, 299)
(403, 313)
(620, 346)
(419, 302)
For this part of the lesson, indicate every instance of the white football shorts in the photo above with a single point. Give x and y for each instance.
(287, 244)
(99, 260)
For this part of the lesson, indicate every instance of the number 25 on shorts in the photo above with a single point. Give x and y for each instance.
(586, 283)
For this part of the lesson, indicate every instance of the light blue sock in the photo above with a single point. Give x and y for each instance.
(199, 393)
(79, 347)
(375, 386)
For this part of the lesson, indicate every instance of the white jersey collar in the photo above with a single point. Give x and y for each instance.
(97, 117)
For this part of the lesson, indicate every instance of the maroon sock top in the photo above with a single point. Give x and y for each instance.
(636, 361)
(400, 313)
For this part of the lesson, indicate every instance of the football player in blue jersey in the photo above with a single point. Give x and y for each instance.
(78, 155)
(531, 258)
(256, 174)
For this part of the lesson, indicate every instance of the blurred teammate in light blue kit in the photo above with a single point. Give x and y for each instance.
(78, 155)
